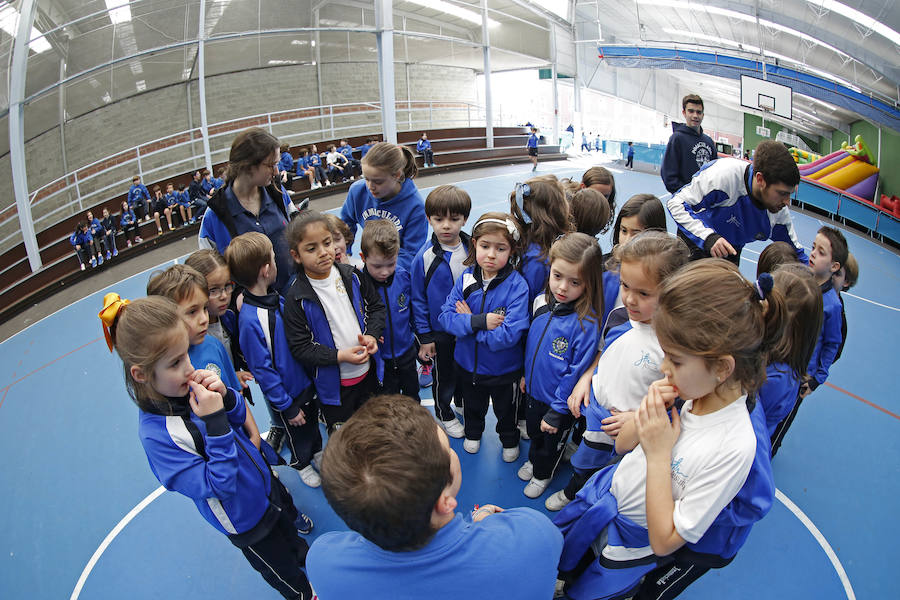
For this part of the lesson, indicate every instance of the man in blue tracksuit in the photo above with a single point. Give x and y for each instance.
(729, 203)
(688, 148)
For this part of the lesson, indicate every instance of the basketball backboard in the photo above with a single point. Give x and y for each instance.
(766, 96)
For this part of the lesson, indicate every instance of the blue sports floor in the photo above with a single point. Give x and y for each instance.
(82, 516)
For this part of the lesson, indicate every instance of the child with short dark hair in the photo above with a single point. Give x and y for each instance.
(159, 207)
(843, 280)
(380, 245)
(84, 246)
(434, 270)
(333, 318)
(602, 180)
(138, 198)
(338, 165)
(347, 150)
(190, 428)
(775, 255)
(590, 211)
(102, 239)
(288, 390)
(829, 254)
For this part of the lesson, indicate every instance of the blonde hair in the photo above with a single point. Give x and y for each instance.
(658, 253)
(582, 250)
(142, 334)
(708, 310)
(380, 235)
(391, 158)
(246, 255)
(177, 283)
(851, 268)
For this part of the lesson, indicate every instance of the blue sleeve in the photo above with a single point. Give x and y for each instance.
(785, 233)
(144, 192)
(831, 341)
(594, 412)
(256, 352)
(515, 322)
(535, 271)
(348, 216)
(419, 300)
(583, 353)
(453, 322)
(413, 236)
(419, 145)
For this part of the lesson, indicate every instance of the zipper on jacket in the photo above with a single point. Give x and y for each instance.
(538, 349)
(387, 306)
(475, 364)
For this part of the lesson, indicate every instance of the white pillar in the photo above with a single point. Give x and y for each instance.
(486, 48)
(201, 85)
(384, 23)
(554, 83)
(17, 131)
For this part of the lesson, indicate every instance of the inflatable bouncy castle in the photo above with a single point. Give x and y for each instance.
(852, 169)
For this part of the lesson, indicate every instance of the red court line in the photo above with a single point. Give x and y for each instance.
(863, 400)
(58, 358)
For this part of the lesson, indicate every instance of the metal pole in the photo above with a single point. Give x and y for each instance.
(201, 84)
(553, 74)
(62, 117)
(384, 23)
(17, 131)
(486, 48)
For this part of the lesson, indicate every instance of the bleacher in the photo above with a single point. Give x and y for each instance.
(454, 149)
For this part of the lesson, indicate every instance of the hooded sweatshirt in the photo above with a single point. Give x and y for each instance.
(686, 152)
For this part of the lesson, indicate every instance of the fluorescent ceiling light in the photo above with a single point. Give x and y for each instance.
(859, 18)
(560, 8)
(119, 11)
(452, 9)
(141, 85)
(9, 22)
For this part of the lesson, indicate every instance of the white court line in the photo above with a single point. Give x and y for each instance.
(111, 536)
(823, 543)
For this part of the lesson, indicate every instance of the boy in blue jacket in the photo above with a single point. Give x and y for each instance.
(138, 198)
(347, 150)
(83, 242)
(380, 246)
(828, 256)
(287, 388)
(434, 270)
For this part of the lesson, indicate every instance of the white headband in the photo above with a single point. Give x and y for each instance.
(508, 223)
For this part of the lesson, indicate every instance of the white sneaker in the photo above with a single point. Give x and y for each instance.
(571, 449)
(556, 501)
(471, 446)
(317, 460)
(526, 471)
(536, 487)
(523, 429)
(309, 476)
(559, 589)
(454, 428)
(511, 454)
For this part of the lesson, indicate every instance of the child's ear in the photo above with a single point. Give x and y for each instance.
(445, 504)
(835, 267)
(137, 374)
(724, 367)
(295, 256)
(363, 257)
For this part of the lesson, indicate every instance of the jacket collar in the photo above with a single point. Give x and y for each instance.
(500, 278)
(464, 237)
(270, 300)
(386, 283)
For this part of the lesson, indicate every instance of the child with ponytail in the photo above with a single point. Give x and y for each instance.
(191, 429)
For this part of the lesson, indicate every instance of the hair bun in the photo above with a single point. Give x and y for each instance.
(764, 286)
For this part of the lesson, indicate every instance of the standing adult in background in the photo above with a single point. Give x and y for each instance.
(251, 201)
(688, 148)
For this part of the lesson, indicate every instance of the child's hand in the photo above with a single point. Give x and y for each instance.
(356, 355)
(244, 377)
(299, 420)
(209, 380)
(370, 343)
(581, 394)
(481, 512)
(494, 321)
(462, 308)
(657, 434)
(522, 385)
(667, 391)
(204, 401)
(547, 428)
(613, 424)
(426, 352)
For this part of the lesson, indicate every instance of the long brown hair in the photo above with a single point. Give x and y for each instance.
(482, 228)
(548, 209)
(804, 311)
(602, 176)
(582, 250)
(707, 309)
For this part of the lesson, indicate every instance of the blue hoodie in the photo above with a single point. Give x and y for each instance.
(423, 145)
(431, 281)
(346, 151)
(265, 347)
(396, 295)
(127, 218)
(136, 192)
(559, 349)
(686, 152)
(97, 229)
(535, 270)
(829, 339)
(314, 160)
(81, 238)
(406, 211)
(286, 162)
(493, 357)
(302, 165)
(211, 461)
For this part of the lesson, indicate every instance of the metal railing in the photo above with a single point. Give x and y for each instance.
(94, 183)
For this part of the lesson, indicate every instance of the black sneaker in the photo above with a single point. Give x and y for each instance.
(276, 438)
(303, 524)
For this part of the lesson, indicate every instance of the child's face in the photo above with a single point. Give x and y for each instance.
(340, 248)
(315, 252)
(90, 217)
(691, 375)
(381, 184)
(170, 189)
(379, 266)
(628, 228)
(565, 281)
(171, 372)
(820, 258)
(105, 213)
(220, 288)
(447, 227)
(84, 229)
(603, 188)
(124, 205)
(492, 253)
(639, 290)
(195, 315)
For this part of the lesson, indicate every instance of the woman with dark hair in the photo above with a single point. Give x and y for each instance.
(251, 201)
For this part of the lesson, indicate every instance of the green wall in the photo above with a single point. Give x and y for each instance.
(751, 140)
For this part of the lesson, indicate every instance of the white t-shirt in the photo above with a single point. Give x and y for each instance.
(217, 331)
(456, 258)
(625, 371)
(341, 318)
(710, 462)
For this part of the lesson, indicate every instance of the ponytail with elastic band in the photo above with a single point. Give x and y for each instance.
(764, 286)
(113, 305)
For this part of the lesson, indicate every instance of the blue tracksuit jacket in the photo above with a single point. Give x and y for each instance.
(778, 394)
(830, 338)
(559, 349)
(286, 162)
(423, 145)
(302, 165)
(81, 238)
(396, 295)
(718, 203)
(532, 141)
(309, 336)
(136, 193)
(431, 282)
(282, 379)
(127, 218)
(493, 357)
(535, 270)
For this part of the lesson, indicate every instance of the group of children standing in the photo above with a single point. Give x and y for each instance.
(654, 365)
